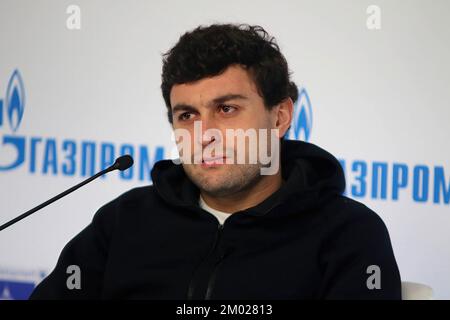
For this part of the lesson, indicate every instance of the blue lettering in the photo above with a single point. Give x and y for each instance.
(361, 167)
(439, 183)
(127, 149)
(399, 178)
(87, 158)
(50, 160)
(68, 168)
(107, 156)
(144, 165)
(376, 168)
(33, 143)
(420, 185)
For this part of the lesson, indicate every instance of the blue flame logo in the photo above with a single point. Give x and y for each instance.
(301, 125)
(15, 100)
(14, 104)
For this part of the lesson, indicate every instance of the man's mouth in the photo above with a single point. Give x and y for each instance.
(215, 161)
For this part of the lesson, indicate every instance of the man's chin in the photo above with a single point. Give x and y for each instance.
(218, 190)
(214, 185)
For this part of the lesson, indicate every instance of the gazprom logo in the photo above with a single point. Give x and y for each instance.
(61, 156)
(301, 125)
(14, 101)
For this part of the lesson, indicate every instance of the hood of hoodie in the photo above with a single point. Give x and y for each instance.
(311, 176)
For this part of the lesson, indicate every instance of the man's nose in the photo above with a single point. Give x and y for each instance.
(208, 131)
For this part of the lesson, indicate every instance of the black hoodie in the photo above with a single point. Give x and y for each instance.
(306, 241)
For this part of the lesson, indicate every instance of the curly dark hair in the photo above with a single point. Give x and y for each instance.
(208, 50)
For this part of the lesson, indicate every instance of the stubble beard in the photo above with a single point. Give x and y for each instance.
(224, 181)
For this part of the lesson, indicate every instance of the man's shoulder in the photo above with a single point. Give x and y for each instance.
(136, 195)
(346, 213)
(133, 201)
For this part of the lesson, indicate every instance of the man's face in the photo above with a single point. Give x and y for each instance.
(227, 101)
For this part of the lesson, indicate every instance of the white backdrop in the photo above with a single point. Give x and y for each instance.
(375, 96)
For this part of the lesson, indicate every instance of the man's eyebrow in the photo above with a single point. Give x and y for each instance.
(183, 107)
(221, 99)
(227, 97)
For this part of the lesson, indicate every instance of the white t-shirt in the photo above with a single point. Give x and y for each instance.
(220, 215)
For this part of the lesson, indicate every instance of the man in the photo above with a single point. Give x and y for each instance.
(218, 228)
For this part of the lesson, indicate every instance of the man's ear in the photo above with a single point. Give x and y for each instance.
(284, 113)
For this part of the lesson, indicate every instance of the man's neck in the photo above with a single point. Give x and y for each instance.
(246, 198)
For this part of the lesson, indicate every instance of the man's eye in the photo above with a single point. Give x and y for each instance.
(185, 116)
(226, 108)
